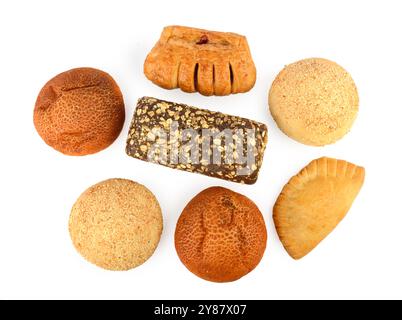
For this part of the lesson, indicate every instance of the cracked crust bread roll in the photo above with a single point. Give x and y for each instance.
(314, 101)
(80, 112)
(221, 235)
(116, 224)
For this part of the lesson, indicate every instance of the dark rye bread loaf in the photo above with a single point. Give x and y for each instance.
(197, 140)
(221, 235)
(80, 112)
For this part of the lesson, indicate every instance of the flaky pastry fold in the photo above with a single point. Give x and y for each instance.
(196, 60)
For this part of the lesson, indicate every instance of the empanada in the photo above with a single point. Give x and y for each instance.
(212, 63)
(313, 203)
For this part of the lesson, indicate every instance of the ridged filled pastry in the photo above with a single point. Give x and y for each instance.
(314, 202)
(196, 60)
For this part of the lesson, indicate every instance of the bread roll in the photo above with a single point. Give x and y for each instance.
(116, 224)
(314, 101)
(80, 112)
(221, 235)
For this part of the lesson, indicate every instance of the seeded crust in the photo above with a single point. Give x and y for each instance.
(221, 235)
(212, 63)
(80, 112)
(152, 113)
(314, 202)
(116, 224)
(314, 101)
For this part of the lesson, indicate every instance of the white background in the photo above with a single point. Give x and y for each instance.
(362, 258)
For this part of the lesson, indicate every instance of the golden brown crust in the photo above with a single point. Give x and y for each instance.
(221, 235)
(313, 203)
(116, 224)
(314, 101)
(212, 63)
(80, 112)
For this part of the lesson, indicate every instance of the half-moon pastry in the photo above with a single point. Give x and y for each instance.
(313, 203)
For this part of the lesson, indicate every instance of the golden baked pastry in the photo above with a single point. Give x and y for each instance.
(212, 63)
(314, 101)
(116, 224)
(221, 235)
(313, 203)
(80, 112)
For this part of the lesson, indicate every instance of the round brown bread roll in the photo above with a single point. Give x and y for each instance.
(221, 235)
(314, 101)
(116, 224)
(80, 112)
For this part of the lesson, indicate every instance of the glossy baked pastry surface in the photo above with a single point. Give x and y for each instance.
(212, 63)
